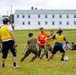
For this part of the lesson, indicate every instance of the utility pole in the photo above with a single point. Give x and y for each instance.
(7, 12)
(11, 16)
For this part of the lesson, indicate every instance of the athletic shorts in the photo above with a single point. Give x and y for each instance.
(58, 48)
(8, 46)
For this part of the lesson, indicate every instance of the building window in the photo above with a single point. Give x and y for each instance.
(74, 22)
(38, 16)
(46, 22)
(67, 23)
(60, 16)
(45, 16)
(53, 16)
(23, 16)
(28, 16)
(67, 16)
(17, 16)
(39, 23)
(53, 23)
(28, 22)
(74, 16)
(60, 23)
(23, 23)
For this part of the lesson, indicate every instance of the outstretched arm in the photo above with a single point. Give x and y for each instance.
(25, 46)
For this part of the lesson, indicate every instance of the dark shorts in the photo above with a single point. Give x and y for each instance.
(8, 46)
(41, 47)
(57, 48)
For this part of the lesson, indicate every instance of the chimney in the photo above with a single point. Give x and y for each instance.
(32, 8)
(35, 8)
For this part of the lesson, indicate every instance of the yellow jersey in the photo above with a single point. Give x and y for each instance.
(59, 39)
(49, 40)
(4, 32)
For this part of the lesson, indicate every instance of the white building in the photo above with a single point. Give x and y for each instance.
(1, 19)
(49, 19)
(1, 23)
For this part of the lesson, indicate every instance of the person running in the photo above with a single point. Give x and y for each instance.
(31, 43)
(48, 44)
(59, 39)
(8, 42)
(41, 38)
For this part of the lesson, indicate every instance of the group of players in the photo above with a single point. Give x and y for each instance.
(43, 40)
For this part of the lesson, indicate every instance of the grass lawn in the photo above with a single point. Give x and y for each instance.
(41, 67)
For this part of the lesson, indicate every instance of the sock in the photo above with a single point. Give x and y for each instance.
(3, 65)
(14, 64)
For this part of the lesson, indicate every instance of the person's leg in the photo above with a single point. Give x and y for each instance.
(14, 58)
(45, 52)
(50, 57)
(13, 51)
(4, 52)
(25, 55)
(39, 51)
(55, 49)
(3, 62)
(4, 56)
(63, 53)
(36, 54)
(14, 61)
(50, 49)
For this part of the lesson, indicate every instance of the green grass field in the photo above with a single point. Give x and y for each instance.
(41, 67)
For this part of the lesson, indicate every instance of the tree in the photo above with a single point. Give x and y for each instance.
(11, 18)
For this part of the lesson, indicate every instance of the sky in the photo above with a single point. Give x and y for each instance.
(5, 5)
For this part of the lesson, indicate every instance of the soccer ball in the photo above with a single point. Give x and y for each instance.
(65, 58)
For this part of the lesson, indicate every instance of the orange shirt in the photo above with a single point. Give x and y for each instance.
(41, 38)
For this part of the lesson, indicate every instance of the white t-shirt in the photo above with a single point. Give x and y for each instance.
(66, 46)
(10, 28)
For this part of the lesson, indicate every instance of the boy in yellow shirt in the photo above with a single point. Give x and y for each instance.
(8, 42)
(48, 44)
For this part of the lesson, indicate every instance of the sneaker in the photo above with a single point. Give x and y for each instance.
(47, 59)
(16, 66)
(21, 60)
(38, 58)
(62, 59)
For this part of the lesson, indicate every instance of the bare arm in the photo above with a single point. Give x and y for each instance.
(11, 33)
(37, 41)
(48, 39)
(25, 46)
(67, 42)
